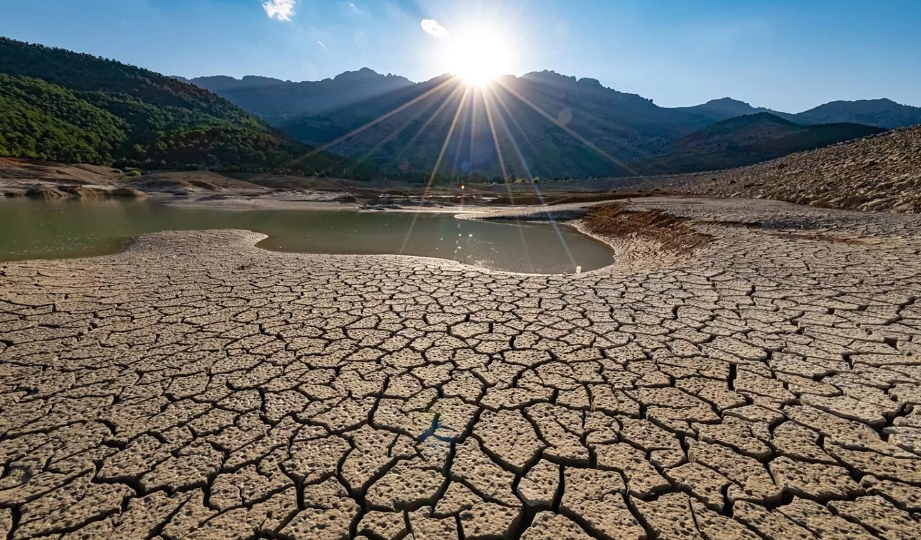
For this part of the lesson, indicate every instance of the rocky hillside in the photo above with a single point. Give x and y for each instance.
(876, 173)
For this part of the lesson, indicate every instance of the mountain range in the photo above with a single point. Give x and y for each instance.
(65, 106)
(277, 100)
(882, 113)
(546, 124)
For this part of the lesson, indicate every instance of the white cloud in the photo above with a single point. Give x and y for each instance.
(282, 10)
(321, 44)
(434, 29)
(354, 8)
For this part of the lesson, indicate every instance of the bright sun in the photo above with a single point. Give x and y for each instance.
(479, 57)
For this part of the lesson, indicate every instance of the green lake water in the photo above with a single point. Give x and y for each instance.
(31, 229)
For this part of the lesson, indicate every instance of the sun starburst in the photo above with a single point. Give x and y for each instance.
(480, 56)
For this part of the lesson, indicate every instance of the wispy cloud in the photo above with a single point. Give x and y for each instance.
(434, 29)
(355, 9)
(281, 10)
(321, 44)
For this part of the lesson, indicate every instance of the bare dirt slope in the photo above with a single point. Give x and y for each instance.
(191, 181)
(876, 173)
(48, 179)
(12, 170)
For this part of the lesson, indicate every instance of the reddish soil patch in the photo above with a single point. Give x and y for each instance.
(672, 232)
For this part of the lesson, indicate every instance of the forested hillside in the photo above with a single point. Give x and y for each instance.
(58, 105)
(44, 121)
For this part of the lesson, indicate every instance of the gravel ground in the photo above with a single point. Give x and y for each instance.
(195, 386)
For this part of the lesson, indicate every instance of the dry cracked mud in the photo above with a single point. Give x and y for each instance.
(196, 387)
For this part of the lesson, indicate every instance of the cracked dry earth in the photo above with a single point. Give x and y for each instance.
(198, 387)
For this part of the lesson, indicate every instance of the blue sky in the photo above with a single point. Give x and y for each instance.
(787, 55)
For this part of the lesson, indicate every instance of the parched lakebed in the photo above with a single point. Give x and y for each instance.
(31, 229)
(196, 387)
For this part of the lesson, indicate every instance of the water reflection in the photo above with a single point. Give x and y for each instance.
(73, 228)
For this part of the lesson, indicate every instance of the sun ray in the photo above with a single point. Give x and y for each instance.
(572, 133)
(604, 122)
(392, 135)
(432, 118)
(326, 146)
(508, 187)
(441, 155)
(414, 117)
(473, 127)
(511, 117)
(460, 144)
(540, 197)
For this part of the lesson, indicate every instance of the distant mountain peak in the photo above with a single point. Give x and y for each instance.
(755, 118)
(363, 73)
(728, 101)
(360, 71)
(259, 78)
(586, 81)
(877, 101)
(218, 83)
(367, 74)
(549, 76)
(725, 108)
(226, 82)
(882, 112)
(585, 84)
(552, 77)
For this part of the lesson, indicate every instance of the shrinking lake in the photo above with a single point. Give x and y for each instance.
(31, 229)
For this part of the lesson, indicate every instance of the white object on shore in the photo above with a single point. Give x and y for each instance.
(578, 270)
